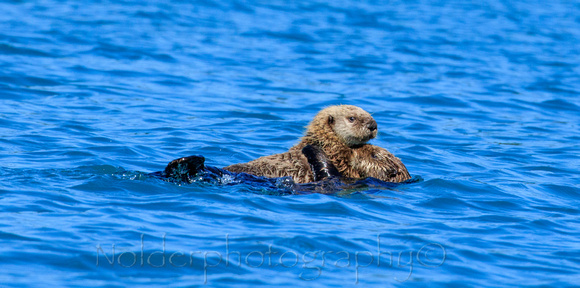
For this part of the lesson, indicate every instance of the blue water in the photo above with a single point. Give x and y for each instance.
(480, 100)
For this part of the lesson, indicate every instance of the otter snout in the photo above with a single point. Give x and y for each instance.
(372, 125)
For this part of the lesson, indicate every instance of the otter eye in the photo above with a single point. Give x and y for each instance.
(351, 119)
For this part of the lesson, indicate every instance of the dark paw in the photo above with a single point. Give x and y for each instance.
(184, 168)
(322, 167)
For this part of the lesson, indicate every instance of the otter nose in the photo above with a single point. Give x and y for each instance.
(372, 125)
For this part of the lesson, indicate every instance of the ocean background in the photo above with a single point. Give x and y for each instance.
(480, 100)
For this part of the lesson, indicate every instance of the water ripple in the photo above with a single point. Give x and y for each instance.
(477, 99)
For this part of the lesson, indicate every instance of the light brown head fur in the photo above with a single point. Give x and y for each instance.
(345, 124)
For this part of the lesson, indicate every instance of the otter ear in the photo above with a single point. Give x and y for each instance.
(330, 120)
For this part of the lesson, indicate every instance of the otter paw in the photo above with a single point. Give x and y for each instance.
(184, 168)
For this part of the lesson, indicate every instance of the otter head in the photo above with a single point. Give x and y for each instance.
(351, 124)
(376, 162)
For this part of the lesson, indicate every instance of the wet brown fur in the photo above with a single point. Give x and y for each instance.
(374, 161)
(342, 141)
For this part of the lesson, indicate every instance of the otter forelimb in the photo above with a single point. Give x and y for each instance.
(322, 168)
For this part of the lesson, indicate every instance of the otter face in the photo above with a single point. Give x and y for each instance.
(353, 125)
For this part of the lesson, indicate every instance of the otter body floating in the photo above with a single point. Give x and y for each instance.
(334, 146)
(192, 169)
(328, 179)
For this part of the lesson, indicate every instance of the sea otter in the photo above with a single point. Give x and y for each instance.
(369, 161)
(336, 130)
(373, 161)
(335, 140)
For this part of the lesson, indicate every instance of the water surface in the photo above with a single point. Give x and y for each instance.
(480, 100)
